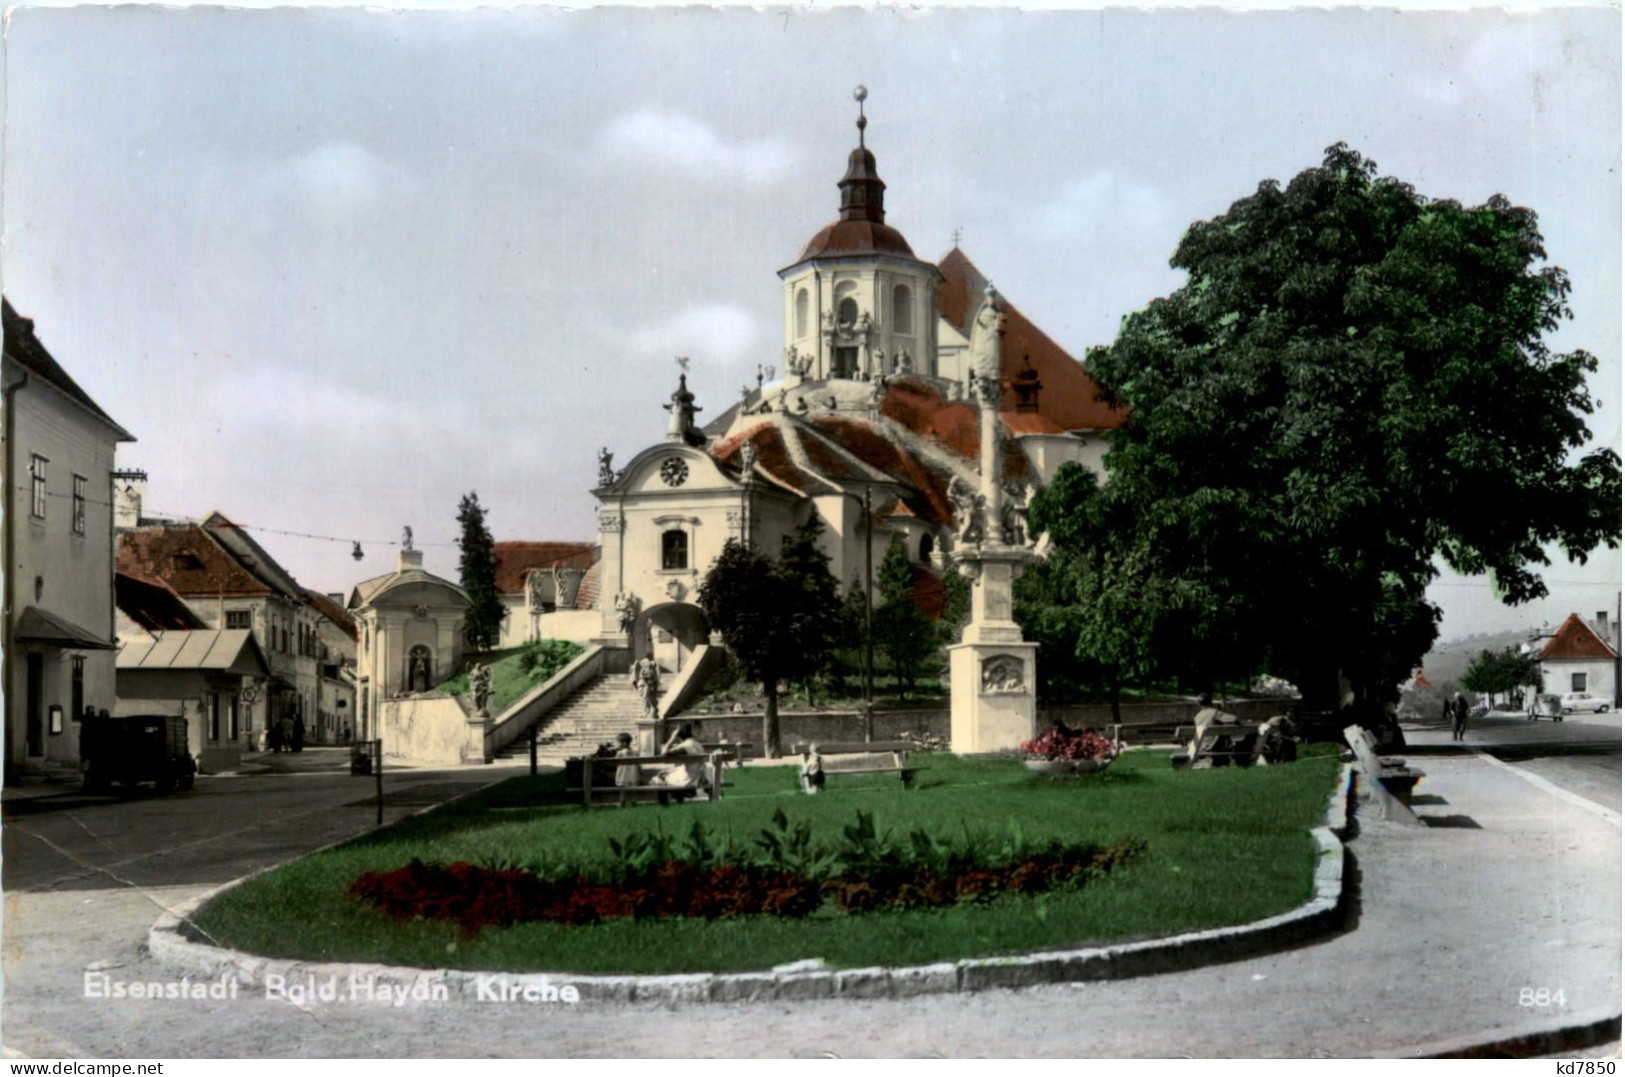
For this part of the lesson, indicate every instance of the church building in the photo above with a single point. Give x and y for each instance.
(868, 423)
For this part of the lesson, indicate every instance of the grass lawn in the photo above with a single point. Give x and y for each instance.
(1223, 847)
(509, 679)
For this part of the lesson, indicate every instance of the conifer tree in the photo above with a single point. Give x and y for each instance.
(478, 569)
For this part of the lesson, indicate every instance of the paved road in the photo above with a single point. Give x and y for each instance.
(1510, 887)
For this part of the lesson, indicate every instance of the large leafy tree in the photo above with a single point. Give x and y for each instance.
(1507, 670)
(1353, 383)
(779, 618)
(478, 569)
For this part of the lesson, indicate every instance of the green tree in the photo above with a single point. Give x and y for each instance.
(478, 572)
(804, 564)
(902, 632)
(1494, 672)
(776, 617)
(1350, 379)
(1090, 606)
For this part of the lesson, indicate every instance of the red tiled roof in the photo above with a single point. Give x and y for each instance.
(587, 593)
(1576, 639)
(772, 456)
(152, 605)
(333, 612)
(951, 424)
(516, 559)
(1069, 395)
(187, 560)
(880, 452)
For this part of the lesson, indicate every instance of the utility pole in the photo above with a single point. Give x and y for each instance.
(869, 599)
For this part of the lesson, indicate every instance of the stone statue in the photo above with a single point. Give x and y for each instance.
(982, 357)
(606, 468)
(479, 682)
(535, 592)
(877, 389)
(626, 608)
(406, 538)
(970, 513)
(864, 323)
(1013, 514)
(828, 321)
(566, 584)
(783, 399)
(880, 361)
(747, 460)
(645, 680)
(905, 362)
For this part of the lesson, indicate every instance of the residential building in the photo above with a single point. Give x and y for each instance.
(1580, 657)
(58, 553)
(336, 633)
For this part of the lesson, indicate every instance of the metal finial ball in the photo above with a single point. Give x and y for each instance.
(860, 94)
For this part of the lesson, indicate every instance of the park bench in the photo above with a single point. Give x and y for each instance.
(731, 751)
(1396, 780)
(866, 757)
(598, 778)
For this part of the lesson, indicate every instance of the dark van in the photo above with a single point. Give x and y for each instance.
(131, 749)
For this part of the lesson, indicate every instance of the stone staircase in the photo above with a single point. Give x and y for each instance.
(592, 716)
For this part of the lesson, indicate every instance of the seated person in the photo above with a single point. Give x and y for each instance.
(812, 770)
(682, 742)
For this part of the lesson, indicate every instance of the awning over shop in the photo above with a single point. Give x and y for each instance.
(231, 650)
(41, 626)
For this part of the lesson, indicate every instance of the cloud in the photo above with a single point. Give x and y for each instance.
(678, 141)
(710, 333)
(1097, 204)
(332, 178)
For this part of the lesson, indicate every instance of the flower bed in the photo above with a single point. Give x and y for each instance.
(787, 875)
(1059, 743)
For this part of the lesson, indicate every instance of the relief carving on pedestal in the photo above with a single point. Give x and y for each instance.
(1003, 674)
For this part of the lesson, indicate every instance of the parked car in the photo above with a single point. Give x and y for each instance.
(136, 748)
(1584, 701)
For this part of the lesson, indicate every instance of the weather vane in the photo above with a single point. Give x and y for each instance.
(682, 363)
(859, 95)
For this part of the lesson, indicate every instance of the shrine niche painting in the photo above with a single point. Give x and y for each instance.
(1002, 674)
(419, 664)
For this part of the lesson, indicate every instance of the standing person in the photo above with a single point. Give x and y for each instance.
(1458, 713)
(626, 775)
(298, 732)
(273, 735)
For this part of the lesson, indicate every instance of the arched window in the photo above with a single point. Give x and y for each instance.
(902, 310)
(847, 312)
(926, 546)
(801, 313)
(673, 549)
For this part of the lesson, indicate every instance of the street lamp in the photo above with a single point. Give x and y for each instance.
(868, 595)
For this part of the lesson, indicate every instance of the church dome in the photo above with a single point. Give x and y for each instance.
(862, 227)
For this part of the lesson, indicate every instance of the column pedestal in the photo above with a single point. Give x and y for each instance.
(994, 704)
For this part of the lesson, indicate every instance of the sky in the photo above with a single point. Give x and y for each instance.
(336, 268)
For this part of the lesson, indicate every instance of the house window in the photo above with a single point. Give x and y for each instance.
(36, 480)
(674, 550)
(77, 687)
(239, 619)
(902, 310)
(801, 313)
(79, 504)
(1578, 682)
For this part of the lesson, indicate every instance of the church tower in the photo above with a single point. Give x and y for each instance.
(857, 302)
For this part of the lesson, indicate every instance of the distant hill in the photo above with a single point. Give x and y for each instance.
(1448, 661)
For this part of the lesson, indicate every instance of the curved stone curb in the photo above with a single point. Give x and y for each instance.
(1323, 914)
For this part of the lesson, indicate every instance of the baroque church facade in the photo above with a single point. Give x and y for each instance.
(868, 422)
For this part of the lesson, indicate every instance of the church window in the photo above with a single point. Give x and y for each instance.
(674, 550)
(801, 313)
(847, 312)
(926, 546)
(902, 310)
